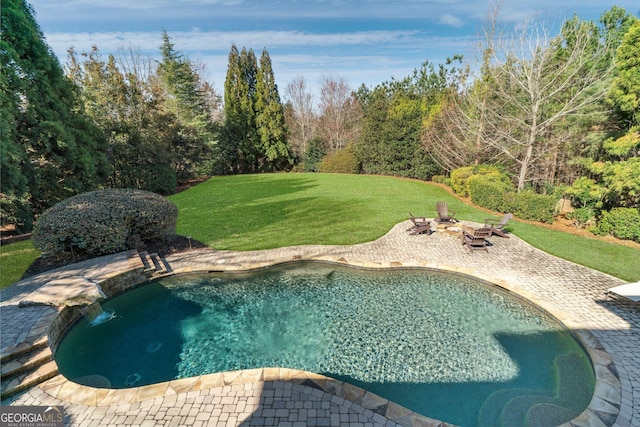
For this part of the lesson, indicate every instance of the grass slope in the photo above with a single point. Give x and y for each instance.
(248, 212)
(265, 211)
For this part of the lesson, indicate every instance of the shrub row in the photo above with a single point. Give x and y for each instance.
(490, 187)
(623, 223)
(103, 222)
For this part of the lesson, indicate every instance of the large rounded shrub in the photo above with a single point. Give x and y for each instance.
(104, 222)
(341, 161)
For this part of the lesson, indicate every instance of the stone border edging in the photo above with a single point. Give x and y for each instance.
(602, 410)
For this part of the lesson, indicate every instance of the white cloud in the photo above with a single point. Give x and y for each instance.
(450, 20)
(198, 40)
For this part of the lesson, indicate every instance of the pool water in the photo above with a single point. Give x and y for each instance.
(445, 346)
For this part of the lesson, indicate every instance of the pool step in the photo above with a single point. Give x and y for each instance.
(511, 407)
(155, 264)
(26, 368)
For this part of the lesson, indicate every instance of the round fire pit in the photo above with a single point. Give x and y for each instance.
(453, 230)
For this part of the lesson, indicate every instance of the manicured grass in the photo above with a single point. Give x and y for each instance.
(15, 258)
(268, 211)
(614, 259)
(248, 212)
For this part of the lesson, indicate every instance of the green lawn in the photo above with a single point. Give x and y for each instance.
(246, 212)
(268, 211)
(14, 261)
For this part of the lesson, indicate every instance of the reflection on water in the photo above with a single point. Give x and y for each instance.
(422, 339)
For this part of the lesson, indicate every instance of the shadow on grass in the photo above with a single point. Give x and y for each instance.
(244, 213)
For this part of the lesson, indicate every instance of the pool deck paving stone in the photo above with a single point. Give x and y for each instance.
(576, 295)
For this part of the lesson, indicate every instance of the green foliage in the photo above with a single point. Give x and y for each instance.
(616, 189)
(622, 180)
(626, 146)
(623, 223)
(583, 217)
(103, 222)
(585, 192)
(490, 187)
(270, 120)
(253, 138)
(187, 97)
(624, 94)
(459, 180)
(391, 128)
(313, 155)
(140, 133)
(340, 161)
(441, 179)
(50, 150)
(460, 177)
(531, 206)
(15, 211)
(488, 191)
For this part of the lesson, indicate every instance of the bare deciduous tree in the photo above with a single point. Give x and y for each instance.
(456, 136)
(339, 112)
(539, 83)
(303, 117)
(532, 86)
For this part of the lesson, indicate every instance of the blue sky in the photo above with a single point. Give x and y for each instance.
(366, 41)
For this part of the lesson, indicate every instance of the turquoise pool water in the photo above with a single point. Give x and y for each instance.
(445, 346)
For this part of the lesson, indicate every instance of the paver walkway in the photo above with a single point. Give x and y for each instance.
(573, 293)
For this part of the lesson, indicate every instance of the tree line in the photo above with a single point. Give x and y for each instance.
(558, 113)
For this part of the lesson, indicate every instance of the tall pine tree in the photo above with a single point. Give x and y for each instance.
(254, 136)
(238, 141)
(51, 145)
(270, 119)
(186, 98)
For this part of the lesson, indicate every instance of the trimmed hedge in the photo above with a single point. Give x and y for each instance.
(104, 222)
(531, 206)
(623, 223)
(492, 193)
(459, 178)
(488, 192)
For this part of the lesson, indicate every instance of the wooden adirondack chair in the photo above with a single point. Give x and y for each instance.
(444, 215)
(498, 227)
(477, 239)
(420, 225)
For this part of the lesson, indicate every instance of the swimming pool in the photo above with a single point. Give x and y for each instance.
(445, 346)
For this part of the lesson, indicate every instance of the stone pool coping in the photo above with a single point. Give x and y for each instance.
(511, 264)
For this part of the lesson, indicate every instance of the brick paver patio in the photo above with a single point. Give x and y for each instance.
(610, 328)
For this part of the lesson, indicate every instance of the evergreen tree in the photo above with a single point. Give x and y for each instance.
(624, 94)
(128, 111)
(394, 114)
(237, 142)
(62, 149)
(187, 98)
(270, 119)
(13, 157)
